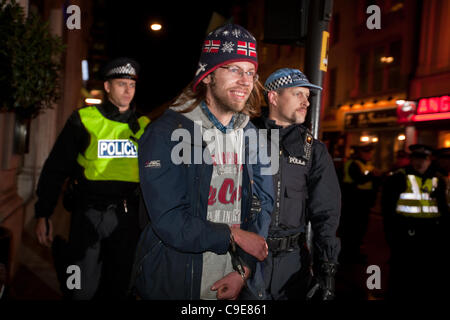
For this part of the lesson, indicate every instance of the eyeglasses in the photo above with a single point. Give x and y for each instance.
(238, 72)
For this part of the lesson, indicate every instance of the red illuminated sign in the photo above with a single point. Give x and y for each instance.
(429, 109)
(434, 105)
(431, 116)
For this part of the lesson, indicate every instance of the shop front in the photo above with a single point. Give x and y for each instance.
(426, 121)
(372, 122)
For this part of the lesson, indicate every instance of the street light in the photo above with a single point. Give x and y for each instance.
(387, 59)
(155, 26)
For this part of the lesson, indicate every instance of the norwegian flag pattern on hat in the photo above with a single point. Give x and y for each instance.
(226, 44)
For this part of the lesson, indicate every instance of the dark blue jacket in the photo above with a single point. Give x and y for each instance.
(169, 254)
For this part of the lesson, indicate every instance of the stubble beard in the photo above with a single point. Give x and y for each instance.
(223, 103)
(296, 118)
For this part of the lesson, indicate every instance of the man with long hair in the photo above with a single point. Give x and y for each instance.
(208, 206)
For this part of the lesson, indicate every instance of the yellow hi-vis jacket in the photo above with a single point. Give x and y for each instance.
(416, 201)
(112, 151)
(365, 169)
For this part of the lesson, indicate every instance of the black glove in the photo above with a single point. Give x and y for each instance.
(323, 282)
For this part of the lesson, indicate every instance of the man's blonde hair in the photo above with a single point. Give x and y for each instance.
(252, 107)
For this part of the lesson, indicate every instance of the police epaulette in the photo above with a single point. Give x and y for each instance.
(308, 144)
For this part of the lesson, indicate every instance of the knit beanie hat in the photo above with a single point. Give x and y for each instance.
(226, 44)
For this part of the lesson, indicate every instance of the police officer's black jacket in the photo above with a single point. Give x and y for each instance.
(306, 189)
(62, 164)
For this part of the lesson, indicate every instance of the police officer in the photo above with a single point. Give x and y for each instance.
(306, 189)
(443, 165)
(359, 191)
(97, 150)
(415, 209)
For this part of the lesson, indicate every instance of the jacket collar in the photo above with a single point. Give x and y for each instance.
(181, 121)
(430, 173)
(111, 112)
(291, 137)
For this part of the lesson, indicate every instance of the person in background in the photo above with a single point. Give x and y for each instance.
(97, 152)
(401, 161)
(415, 215)
(443, 165)
(359, 192)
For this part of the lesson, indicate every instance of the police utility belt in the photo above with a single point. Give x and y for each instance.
(288, 243)
(74, 198)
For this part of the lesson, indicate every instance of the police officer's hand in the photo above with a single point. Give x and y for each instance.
(43, 232)
(251, 243)
(229, 287)
(323, 283)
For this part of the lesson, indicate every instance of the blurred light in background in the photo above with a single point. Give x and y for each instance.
(96, 93)
(92, 101)
(387, 59)
(156, 27)
(84, 70)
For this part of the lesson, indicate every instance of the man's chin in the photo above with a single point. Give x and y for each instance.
(299, 120)
(236, 107)
(125, 104)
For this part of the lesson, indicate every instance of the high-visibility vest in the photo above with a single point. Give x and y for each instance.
(416, 201)
(112, 151)
(365, 168)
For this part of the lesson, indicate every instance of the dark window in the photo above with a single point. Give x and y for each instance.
(364, 72)
(394, 78)
(378, 67)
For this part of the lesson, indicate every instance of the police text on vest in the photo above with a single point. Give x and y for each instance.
(122, 148)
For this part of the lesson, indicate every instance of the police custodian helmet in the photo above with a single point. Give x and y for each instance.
(420, 150)
(121, 68)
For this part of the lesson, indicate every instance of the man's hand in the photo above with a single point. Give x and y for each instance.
(229, 287)
(251, 243)
(44, 232)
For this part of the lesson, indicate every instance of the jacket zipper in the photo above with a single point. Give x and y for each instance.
(278, 196)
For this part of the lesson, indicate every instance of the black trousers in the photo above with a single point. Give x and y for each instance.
(102, 243)
(354, 223)
(284, 276)
(417, 264)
